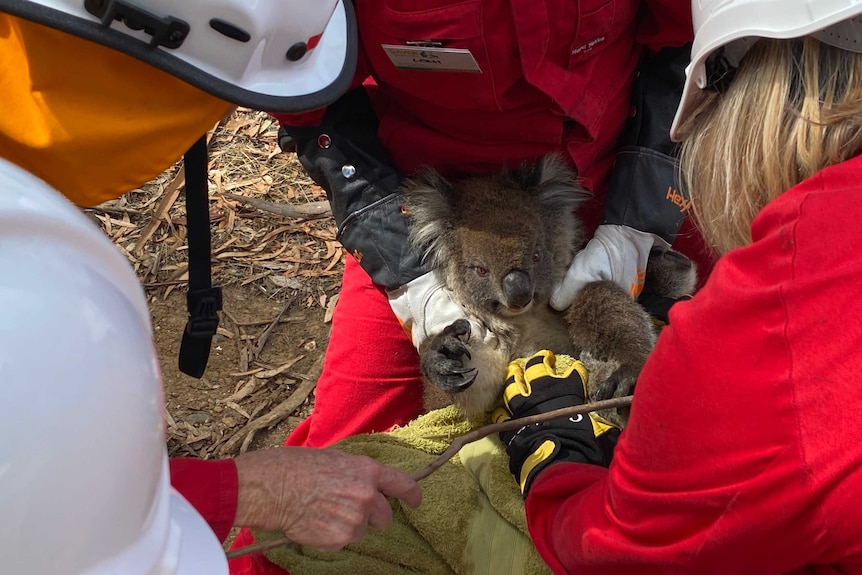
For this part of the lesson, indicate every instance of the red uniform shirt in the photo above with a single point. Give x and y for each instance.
(211, 487)
(555, 75)
(742, 454)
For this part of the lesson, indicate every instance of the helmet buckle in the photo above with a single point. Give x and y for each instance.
(204, 306)
(169, 32)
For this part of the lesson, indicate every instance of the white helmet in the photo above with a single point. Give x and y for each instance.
(84, 486)
(724, 30)
(273, 55)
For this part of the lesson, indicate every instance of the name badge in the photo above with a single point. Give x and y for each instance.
(432, 59)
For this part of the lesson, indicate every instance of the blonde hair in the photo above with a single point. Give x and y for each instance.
(794, 107)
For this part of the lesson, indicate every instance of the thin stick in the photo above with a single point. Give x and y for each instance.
(456, 446)
(257, 548)
(511, 424)
(273, 417)
(258, 322)
(172, 192)
(265, 335)
(116, 210)
(305, 211)
(163, 284)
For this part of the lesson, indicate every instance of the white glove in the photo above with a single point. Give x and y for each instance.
(617, 253)
(425, 307)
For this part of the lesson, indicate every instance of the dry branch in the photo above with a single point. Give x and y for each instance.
(261, 342)
(256, 322)
(280, 411)
(310, 210)
(116, 210)
(172, 192)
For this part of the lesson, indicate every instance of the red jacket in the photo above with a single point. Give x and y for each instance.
(211, 487)
(556, 74)
(742, 454)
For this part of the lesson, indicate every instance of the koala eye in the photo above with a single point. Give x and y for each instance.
(480, 271)
(537, 256)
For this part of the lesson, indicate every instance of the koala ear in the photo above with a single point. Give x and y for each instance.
(527, 176)
(555, 181)
(429, 201)
(559, 184)
(559, 196)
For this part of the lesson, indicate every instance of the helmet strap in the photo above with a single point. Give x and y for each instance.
(203, 301)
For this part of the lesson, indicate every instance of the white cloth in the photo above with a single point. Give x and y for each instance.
(616, 253)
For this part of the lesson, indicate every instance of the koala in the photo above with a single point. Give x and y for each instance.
(501, 244)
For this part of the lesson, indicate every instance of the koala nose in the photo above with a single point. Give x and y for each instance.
(517, 288)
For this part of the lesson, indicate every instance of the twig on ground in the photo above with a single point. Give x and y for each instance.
(255, 322)
(172, 192)
(310, 210)
(456, 446)
(261, 342)
(278, 413)
(163, 284)
(117, 210)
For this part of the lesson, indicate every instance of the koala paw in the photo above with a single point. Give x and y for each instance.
(618, 384)
(443, 362)
(609, 379)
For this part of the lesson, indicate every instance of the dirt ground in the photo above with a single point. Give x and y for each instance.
(280, 278)
(204, 414)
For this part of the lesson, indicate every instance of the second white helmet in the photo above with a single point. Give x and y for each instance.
(84, 483)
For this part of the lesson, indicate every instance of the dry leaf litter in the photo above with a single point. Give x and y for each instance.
(289, 266)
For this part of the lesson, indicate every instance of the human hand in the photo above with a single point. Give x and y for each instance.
(616, 253)
(541, 384)
(322, 498)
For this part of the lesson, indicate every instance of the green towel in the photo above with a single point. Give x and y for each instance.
(471, 521)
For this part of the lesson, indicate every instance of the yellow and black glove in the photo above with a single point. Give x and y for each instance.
(540, 384)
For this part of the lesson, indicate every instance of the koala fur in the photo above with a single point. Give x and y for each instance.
(501, 243)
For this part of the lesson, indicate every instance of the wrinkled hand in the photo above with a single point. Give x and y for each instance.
(616, 253)
(324, 499)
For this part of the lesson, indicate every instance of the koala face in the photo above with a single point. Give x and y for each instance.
(501, 242)
(501, 258)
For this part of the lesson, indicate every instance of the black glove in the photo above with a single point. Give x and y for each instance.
(539, 385)
(644, 191)
(344, 156)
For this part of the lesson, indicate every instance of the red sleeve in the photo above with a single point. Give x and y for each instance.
(708, 477)
(665, 23)
(211, 487)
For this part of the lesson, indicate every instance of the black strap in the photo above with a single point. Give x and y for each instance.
(203, 301)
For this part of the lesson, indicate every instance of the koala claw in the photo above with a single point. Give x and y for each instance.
(468, 380)
(457, 385)
(444, 362)
(452, 379)
(463, 370)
